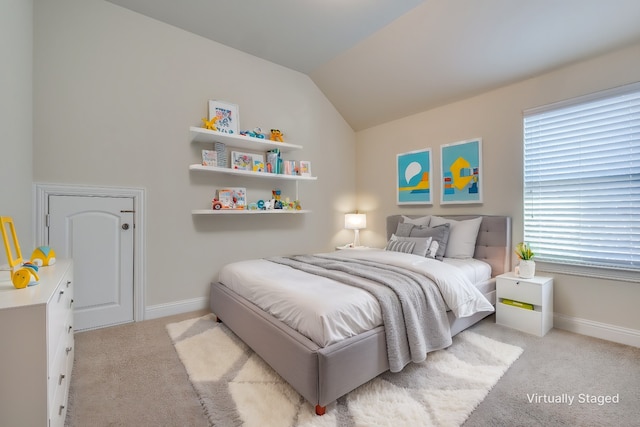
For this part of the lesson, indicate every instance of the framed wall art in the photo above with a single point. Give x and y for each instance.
(227, 114)
(461, 180)
(413, 177)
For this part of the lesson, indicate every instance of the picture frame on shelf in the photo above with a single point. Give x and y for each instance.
(305, 168)
(461, 180)
(241, 161)
(228, 116)
(258, 162)
(232, 197)
(413, 178)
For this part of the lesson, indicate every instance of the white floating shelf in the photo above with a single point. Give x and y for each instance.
(266, 175)
(248, 212)
(239, 141)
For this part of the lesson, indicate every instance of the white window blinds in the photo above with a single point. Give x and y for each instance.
(582, 180)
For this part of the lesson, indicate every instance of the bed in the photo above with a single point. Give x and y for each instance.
(322, 372)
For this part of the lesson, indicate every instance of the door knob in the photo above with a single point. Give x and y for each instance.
(125, 226)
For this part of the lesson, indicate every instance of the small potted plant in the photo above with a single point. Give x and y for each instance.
(527, 266)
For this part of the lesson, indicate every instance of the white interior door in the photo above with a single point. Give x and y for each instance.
(97, 232)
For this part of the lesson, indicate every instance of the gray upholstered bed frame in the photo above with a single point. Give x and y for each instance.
(322, 375)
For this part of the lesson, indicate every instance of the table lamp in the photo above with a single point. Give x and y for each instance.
(355, 222)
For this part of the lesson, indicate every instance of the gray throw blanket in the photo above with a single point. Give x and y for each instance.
(413, 310)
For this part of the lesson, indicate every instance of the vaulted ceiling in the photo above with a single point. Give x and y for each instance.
(379, 60)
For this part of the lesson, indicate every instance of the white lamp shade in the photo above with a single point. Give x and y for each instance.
(355, 221)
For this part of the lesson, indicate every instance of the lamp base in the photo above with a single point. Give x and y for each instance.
(356, 238)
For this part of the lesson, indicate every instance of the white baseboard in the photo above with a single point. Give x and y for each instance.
(178, 307)
(603, 331)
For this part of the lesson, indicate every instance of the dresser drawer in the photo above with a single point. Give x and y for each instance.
(58, 373)
(58, 311)
(59, 381)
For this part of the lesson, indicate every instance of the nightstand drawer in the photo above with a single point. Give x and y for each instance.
(529, 321)
(519, 290)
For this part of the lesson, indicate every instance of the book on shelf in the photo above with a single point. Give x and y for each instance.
(209, 158)
(273, 163)
(221, 150)
(519, 304)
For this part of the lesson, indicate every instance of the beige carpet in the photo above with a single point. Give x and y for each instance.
(236, 387)
(131, 375)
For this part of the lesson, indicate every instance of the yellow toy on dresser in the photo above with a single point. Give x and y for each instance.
(43, 256)
(22, 277)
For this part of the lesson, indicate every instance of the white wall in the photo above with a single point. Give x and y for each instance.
(497, 118)
(16, 107)
(115, 95)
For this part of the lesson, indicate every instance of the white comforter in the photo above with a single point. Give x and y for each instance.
(327, 311)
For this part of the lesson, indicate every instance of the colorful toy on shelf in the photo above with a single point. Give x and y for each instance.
(276, 203)
(276, 135)
(210, 124)
(43, 256)
(22, 277)
(255, 133)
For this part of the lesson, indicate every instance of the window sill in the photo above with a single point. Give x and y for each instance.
(589, 271)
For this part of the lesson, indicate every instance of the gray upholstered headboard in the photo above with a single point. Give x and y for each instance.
(493, 245)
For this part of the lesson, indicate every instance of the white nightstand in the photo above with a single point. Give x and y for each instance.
(537, 291)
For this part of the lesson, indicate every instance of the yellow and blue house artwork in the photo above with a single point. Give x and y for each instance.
(461, 172)
(413, 177)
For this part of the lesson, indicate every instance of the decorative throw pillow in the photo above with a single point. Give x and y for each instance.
(462, 237)
(423, 221)
(400, 246)
(438, 234)
(404, 229)
(433, 249)
(421, 244)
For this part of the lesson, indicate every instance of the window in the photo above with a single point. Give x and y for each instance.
(582, 180)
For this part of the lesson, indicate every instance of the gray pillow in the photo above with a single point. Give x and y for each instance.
(439, 234)
(422, 221)
(404, 229)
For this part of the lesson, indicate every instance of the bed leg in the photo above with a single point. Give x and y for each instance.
(320, 410)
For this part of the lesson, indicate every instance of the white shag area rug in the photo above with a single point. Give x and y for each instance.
(237, 388)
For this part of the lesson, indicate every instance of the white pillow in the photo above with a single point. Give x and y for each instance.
(422, 221)
(462, 236)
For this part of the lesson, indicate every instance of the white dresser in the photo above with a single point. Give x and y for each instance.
(36, 348)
